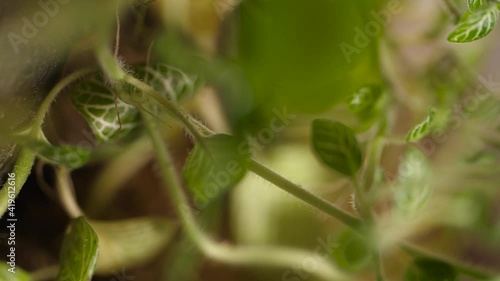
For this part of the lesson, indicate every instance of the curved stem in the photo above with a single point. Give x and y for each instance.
(66, 194)
(26, 157)
(45, 106)
(241, 255)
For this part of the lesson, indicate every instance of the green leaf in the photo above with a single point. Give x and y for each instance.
(211, 169)
(169, 80)
(72, 157)
(413, 188)
(336, 145)
(353, 252)
(16, 274)
(131, 242)
(423, 128)
(307, 57)
(475, 25)
(424, 269)
(475, 4)
(108, 117)
(79, 252)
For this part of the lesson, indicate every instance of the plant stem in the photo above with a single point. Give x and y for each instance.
(113, 70)
(171, 107)
(242, 255)
(305, 195)
(47, 102)
(465, 269)
(26, 157)
(66, 194)
(378, 265)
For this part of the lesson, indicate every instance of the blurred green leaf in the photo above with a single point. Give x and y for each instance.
(72, 157)
(353, 252)
(422, 129)
(169, 80)
(413, 188)
(423, 269)
(79, 252)
(337, 146)
(218, 164)
(18, 275)
(108, 117)
(131, 242)
(475, 25)
(307, 57)
(475, 4)
(364, 99)
(366, 104)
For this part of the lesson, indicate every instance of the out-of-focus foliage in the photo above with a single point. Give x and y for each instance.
(293, 57)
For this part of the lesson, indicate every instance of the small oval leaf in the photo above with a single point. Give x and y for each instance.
(9, 273)
(475, 25)
(211, 169)
(422, 129)
(337, 146)
(424, 269)
(108, 117)
(79, 252)
(131, 242)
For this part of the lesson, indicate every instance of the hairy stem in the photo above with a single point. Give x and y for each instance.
(235, 255)
(65, 190)
(26, 157)
(305, 195)
(47, 102)
(194, 128)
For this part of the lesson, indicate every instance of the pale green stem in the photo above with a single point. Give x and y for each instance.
(224, 252)
(65, 190)
(47, 102)
(305, 195)
(235, 255)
